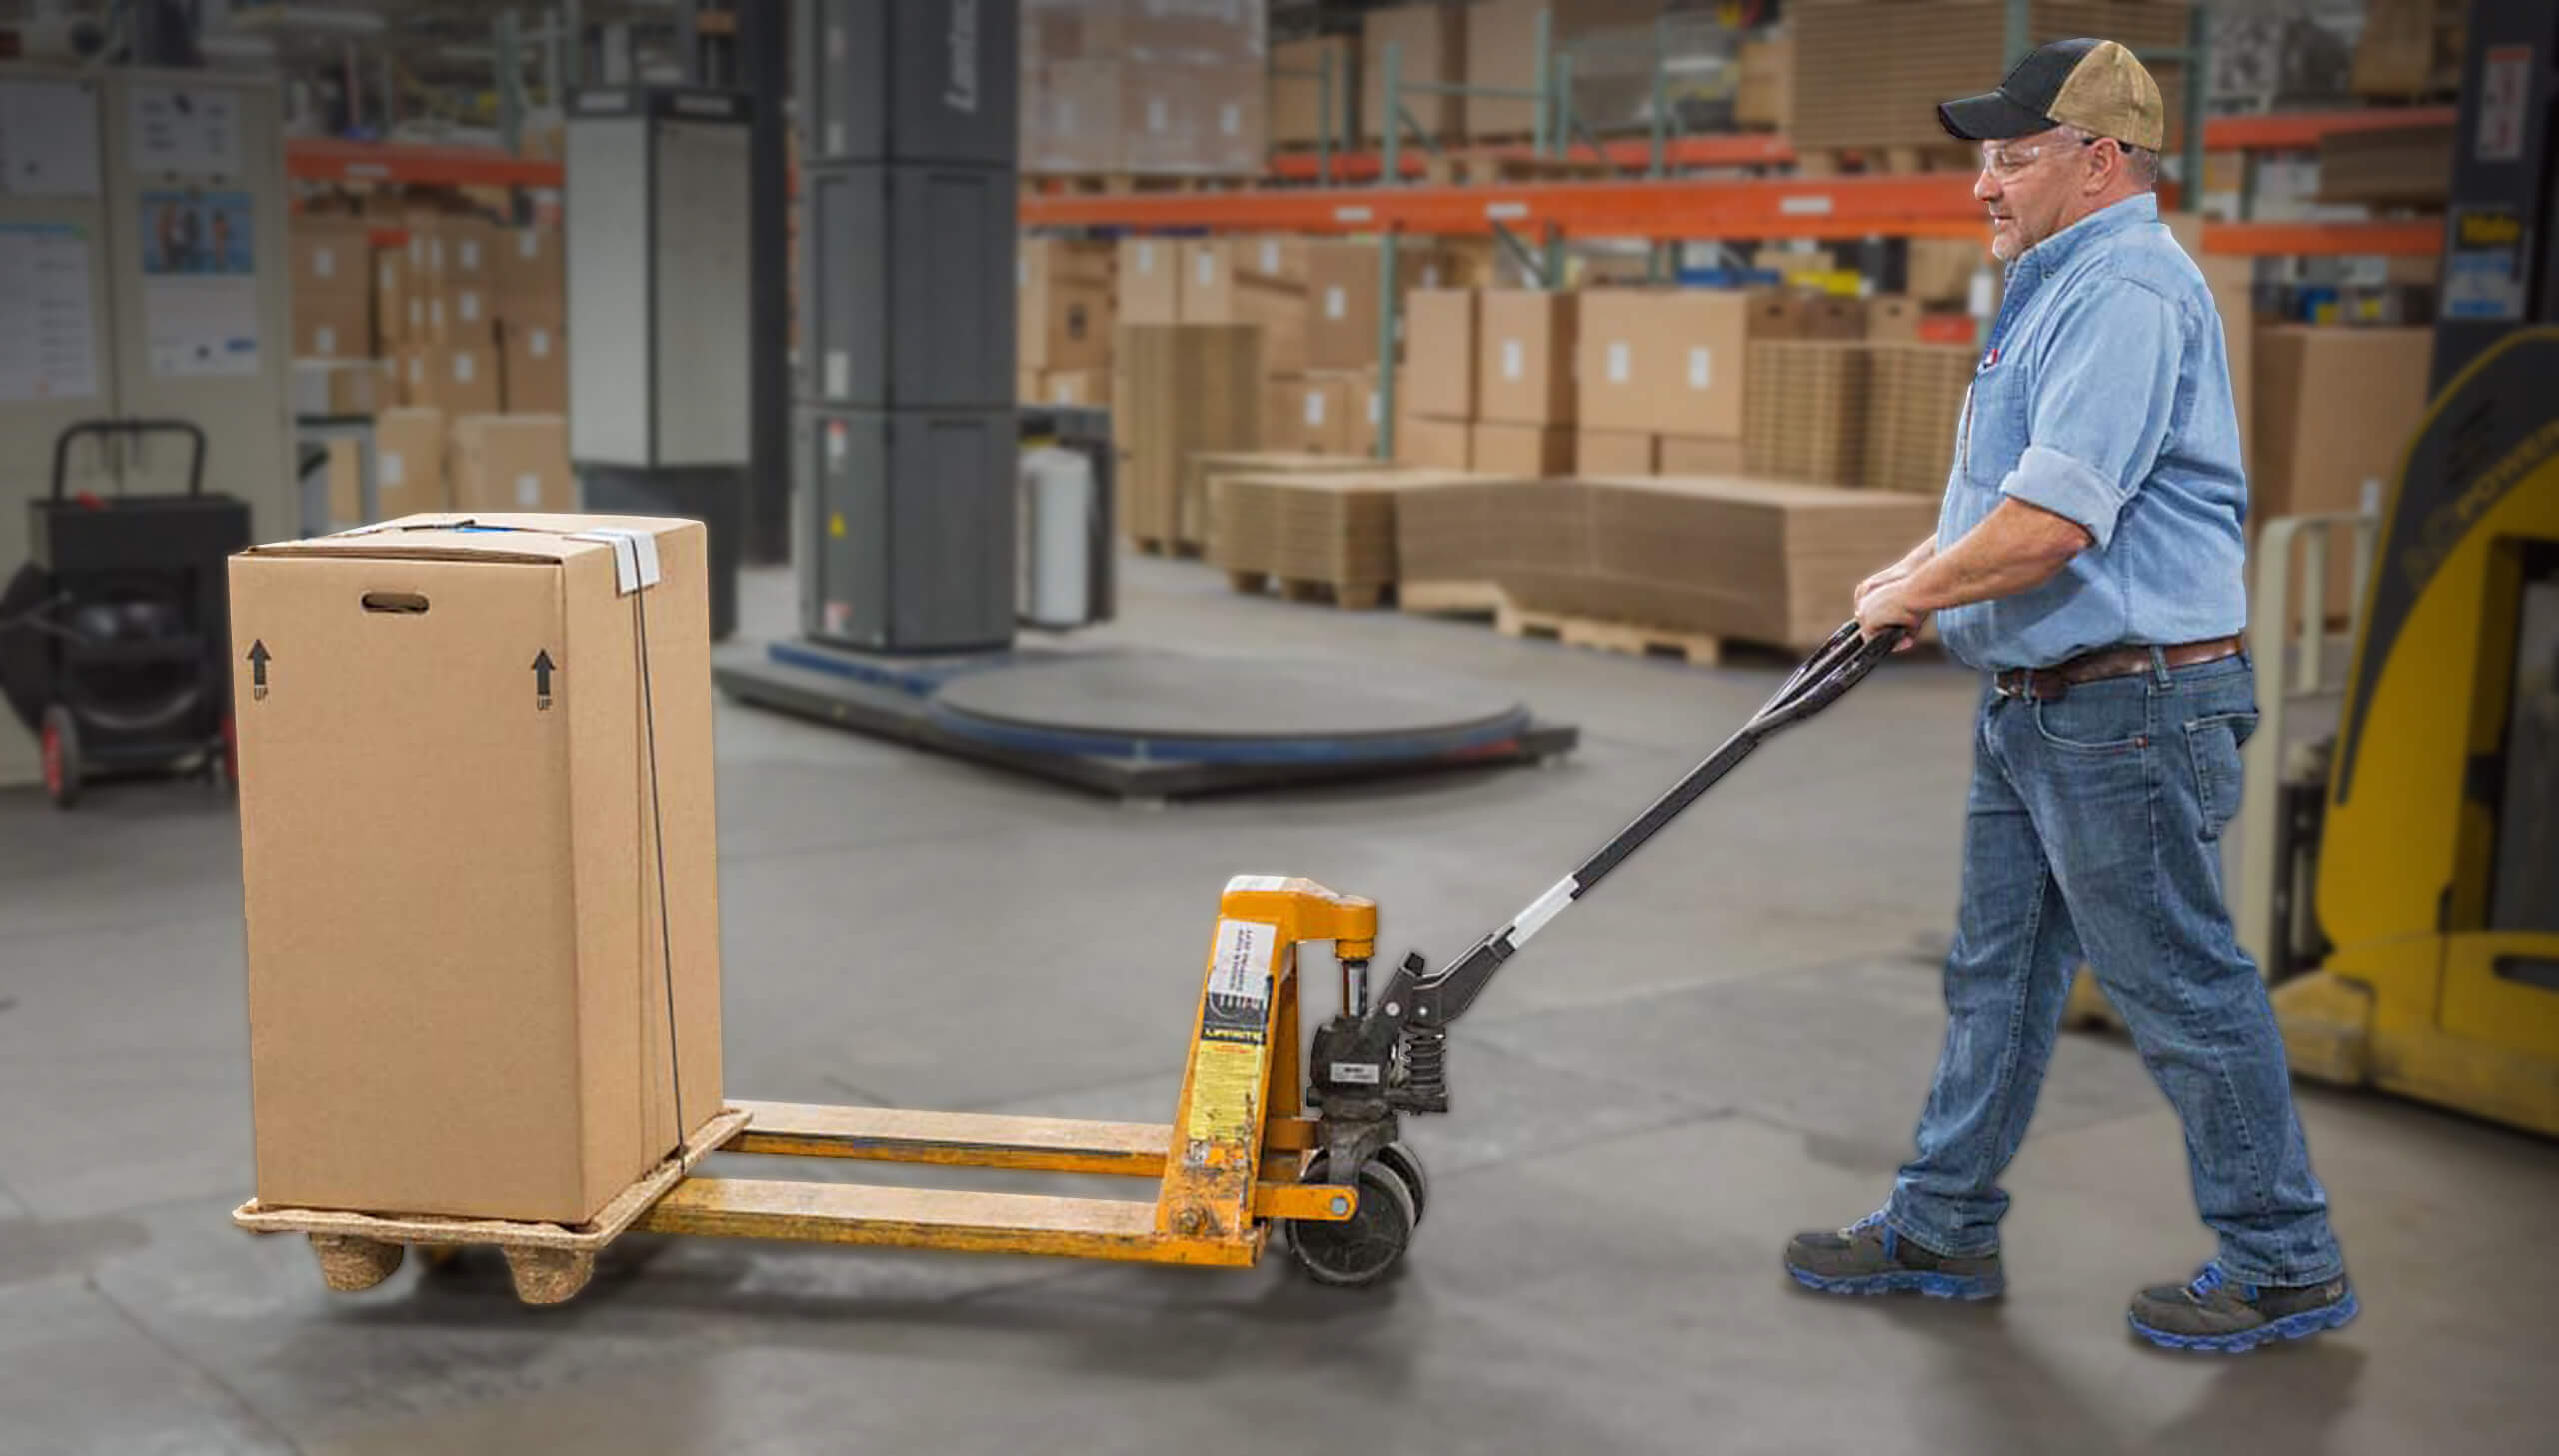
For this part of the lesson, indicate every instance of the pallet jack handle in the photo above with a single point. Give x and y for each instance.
(1420, 1000)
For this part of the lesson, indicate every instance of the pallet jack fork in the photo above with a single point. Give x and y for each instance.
(1257, 1139)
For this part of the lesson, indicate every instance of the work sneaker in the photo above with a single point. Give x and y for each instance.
(1868, 1257)
(2213, 1313)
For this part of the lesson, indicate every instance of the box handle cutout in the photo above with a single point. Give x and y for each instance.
(395, 602)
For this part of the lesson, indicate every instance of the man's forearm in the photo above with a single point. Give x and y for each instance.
(2016, 548)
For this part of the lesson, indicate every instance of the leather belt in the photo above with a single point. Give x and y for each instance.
(2116, 661)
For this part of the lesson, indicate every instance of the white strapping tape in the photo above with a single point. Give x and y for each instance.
(635, 556)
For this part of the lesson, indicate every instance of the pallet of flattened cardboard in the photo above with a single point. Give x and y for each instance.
(1201, 470)
(1321, 536)
(1673, 558)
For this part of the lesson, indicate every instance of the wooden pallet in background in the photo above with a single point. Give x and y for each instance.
(1166, 547)
(1452, 599)
(1701, 650)
(1351, 595)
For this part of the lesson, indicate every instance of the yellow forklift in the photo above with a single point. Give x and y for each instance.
(2434, 851)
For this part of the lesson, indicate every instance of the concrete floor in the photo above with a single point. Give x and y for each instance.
(1727, 1043)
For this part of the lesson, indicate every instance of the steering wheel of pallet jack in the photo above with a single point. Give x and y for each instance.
(60, 735)
(1371, 1244)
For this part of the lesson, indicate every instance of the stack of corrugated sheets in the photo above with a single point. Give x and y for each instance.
(1334, 529)
(1914, 400)
(1870, 73)
(1762, 561)
(1803, 413)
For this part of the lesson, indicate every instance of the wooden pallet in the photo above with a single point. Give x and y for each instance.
(1166, 545)
(1701, 650)
(1353, 596)
(1452, 599)
(548, 1262)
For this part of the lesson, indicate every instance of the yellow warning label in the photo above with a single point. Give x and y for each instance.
(835, 524)
(1225, 1078)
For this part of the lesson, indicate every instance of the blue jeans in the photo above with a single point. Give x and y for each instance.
(2094, 828)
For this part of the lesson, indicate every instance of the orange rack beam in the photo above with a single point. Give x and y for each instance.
(2389, 237)
(2301, 131)
(1925, 205)
(330, 159)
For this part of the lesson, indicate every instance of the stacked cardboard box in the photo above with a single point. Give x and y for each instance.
(1526, 399)
(1334, 528)
(332, 288)
(1435, 397)
(1766, 96)
(511, 463)
(2409, 48)
(531, 286)
(1170, 87)
(1297, 117)
(408, 460)
(414, 766)
(1063, 320)
(1148, 282)
(1259, 281)
(1804, 416)
(1915, 405)
(1501, 50)
(448, 354)
(1663, 362)
(1872, 75)
(1342, 293)
(2408, 166)
(2334, 406)
(1177, 388)
(1431, 43)
(337, 387)
(1201, 470)
(1765, 560)
(1331, 412)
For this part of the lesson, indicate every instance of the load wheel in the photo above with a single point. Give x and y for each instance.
(61, 742)
(1371, 1244)
(1408, 1166)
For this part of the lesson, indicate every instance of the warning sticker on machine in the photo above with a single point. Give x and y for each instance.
(1226, 1079)
(1239, 992)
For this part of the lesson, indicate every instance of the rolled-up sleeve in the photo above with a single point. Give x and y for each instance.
(2103, 396)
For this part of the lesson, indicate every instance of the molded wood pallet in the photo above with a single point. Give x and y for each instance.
(1351, 596)
(548, 1261)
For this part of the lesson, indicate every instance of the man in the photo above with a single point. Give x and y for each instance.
(2088, 558)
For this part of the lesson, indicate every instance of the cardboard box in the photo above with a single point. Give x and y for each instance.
(391, 297)
(1149, 279)
(332, 326)
(337, 387)
(469, 314)
(1071, 116)
(1432, 41)
(329, 255)
(1189, 32)
(1342, 297)
(1206, 295)
(1331, 412)
(1329, 526)
(1085, 387)
(1437, 444)
(2335, 408)
(459, 379)
(1441, 345)
(459, 967)
(1616, 452)
(1177, 388)
(512, 462)
(1202, 475)
(2409, 48)
(408, 460)
(1892, 319)
(1521, 450)
(1697, 455)
(469, 257)
(1267, 285)
(534, 360)
(1525, 372)
(1766, 95)
(1063, 308)
(1915, 406)
(1296, 93)
(531, 277)
(1663, 360)
(1501, 50)
(346, 484)
(1193, 120)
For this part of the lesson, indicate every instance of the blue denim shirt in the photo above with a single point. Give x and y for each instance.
(2104, 394)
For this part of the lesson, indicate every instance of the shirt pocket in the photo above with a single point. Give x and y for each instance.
(1995, 422)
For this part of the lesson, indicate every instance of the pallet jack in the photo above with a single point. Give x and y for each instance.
(1257, 1139)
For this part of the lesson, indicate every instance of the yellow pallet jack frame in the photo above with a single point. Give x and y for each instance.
(1227, 1168)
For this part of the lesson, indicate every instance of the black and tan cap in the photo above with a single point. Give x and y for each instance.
(2095, 85)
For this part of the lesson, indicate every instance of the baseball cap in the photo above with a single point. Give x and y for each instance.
(2095, 85)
